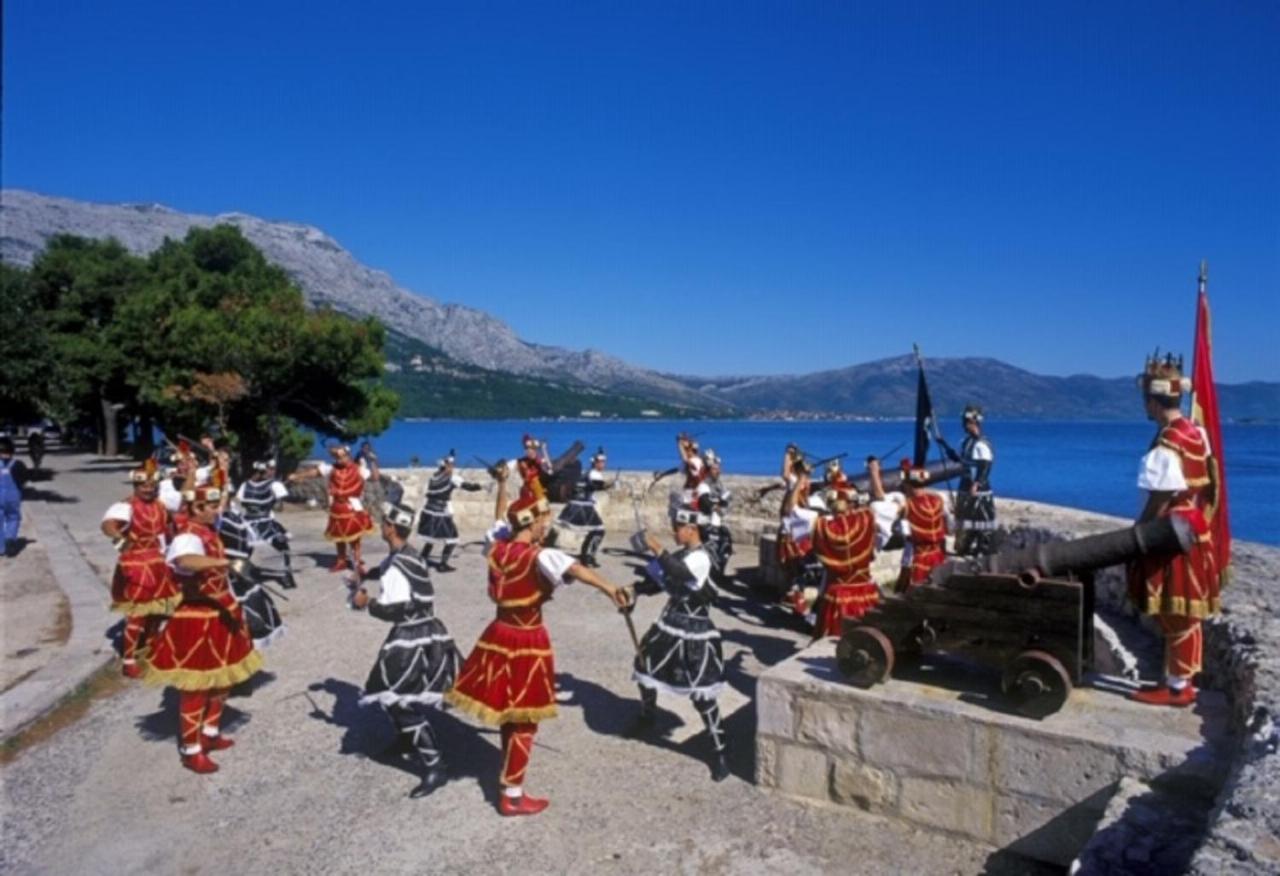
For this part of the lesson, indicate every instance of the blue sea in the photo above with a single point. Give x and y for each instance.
(1077, 464)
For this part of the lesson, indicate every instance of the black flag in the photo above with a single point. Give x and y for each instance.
(924, 416)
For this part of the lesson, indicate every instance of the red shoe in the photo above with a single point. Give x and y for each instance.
(340, 565)
(522, 805)
(1163, 695)
(216, 743)
(199, 763)
(131, 670)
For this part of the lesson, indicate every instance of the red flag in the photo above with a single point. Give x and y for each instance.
(1204, 413)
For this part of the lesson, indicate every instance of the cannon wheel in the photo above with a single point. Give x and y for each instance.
(1036, 683)
(865, 656)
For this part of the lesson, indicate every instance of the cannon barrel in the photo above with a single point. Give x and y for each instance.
(1165, 536)
(892, 479)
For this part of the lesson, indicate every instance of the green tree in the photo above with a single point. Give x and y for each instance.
(225, 317)
(26, 357)
(78, 285)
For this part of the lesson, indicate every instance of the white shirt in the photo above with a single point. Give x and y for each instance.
(184, 545)
(170, 496)
(554, 565)
(1160, 470)
(279, 490)
(887, 511)
(326, 469)
(393, 587)
(121, 511)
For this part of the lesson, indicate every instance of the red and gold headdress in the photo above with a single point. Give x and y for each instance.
(526, 509)
(149, 473)
(1163, 377)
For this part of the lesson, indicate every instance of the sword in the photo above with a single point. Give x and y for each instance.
(631, 627)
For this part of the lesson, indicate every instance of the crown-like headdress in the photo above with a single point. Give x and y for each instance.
(526, 509)
(1163, 377)
(912, 472)
(149, 473)
(398, 515)
(205, 493)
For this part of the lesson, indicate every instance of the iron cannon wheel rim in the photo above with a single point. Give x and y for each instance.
(1037, 683)
(865, 656)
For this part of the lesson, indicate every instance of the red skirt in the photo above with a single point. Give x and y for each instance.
(509, 677)
(1185, 585)
(924, 559)
(197, 650)
(790, 550)
(846, 599)
(143, 584)
(347, 524)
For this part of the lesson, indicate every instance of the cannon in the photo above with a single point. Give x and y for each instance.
(1027, 612)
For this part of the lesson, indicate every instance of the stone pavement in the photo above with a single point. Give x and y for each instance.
(305, 791)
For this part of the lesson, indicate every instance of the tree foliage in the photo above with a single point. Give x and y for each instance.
(205, 332)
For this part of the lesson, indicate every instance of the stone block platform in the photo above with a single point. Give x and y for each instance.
(935, 746)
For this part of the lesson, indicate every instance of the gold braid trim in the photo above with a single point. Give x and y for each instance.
(165, 606)
(347, 539)
(488, 715)
(1180, 606)
(514, 652)
(205, 679)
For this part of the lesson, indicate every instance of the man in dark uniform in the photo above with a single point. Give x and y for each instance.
(975, 503)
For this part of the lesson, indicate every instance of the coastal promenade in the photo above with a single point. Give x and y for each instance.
(305, 789)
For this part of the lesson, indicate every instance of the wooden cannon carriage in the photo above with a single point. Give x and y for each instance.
(1028, 612)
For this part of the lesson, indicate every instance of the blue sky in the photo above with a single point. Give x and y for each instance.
(712, 188)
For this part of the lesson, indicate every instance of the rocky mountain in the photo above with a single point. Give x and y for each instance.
(887, 388)
(329, 275)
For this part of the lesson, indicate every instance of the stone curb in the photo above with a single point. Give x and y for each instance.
(86, 650)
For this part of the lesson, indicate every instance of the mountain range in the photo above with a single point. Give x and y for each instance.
(468, 348)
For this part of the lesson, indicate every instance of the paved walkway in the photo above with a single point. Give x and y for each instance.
(304, 789)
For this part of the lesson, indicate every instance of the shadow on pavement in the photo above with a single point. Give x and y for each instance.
(611, 715)
(49, 496)
(369, 733)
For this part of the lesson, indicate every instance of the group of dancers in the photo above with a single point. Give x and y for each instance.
(196, 609)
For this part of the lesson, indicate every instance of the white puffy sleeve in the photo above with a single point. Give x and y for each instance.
(1161, 471)
(554, 565)
(393, 587)
(185, 545)
(118, 511)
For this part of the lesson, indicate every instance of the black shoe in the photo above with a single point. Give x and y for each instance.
(719, 769)
(287, 582)
(433, 778)
(445, 567)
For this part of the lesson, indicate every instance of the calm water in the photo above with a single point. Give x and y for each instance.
(1082, 465)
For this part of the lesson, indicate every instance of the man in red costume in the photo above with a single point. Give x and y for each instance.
(923, 520)
(844, 540)
(795, 528)
(1183, 590)
(142, 587)
(348, 521)
(509, 679)
(204, 650)
(534, 468)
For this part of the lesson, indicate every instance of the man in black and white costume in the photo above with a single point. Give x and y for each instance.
(975, 503)
(714, 504)
(436, 525)
(237, 535)
(418, 662)
(580, 514)
(681, 652)
(258, 498)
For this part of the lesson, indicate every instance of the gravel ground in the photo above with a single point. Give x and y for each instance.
(305, 789)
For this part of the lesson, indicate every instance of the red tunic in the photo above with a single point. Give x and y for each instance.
(1186, 585)
(206, 644)
(531, 474)
(510, 674)
(142, 584)
(345, 523)
(790, 550)
(926, 515)
(845, 544)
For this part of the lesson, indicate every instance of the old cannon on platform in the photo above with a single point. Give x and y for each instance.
(1028, 612)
